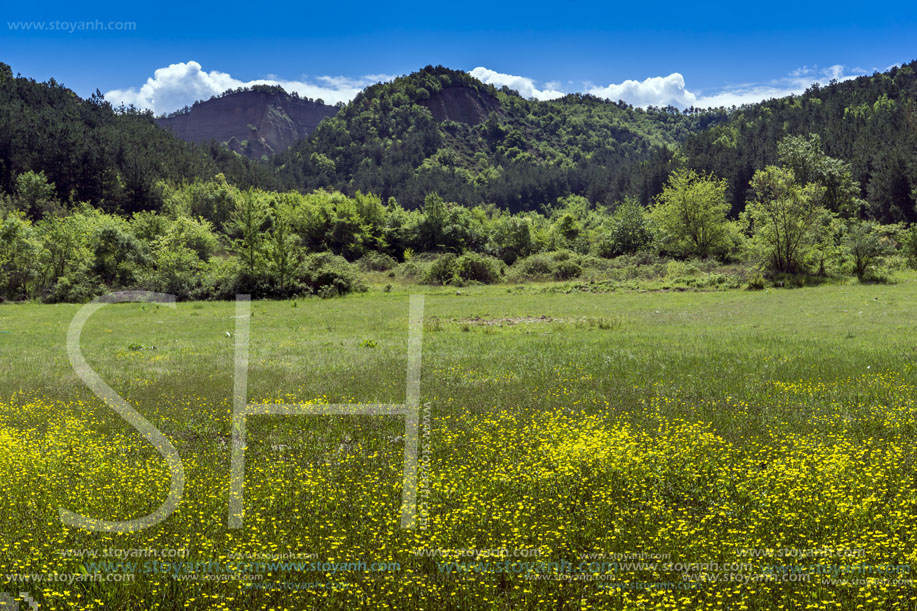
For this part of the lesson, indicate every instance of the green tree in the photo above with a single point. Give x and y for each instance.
(782, 217)
(690, 214)
(510, 238)
(246, 223)
(804, 156)
(18, 250)
(628, 230)
(283, 244)
(865, 246)
(36, 194)
(117, 256)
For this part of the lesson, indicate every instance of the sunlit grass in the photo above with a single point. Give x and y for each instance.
(690, 424)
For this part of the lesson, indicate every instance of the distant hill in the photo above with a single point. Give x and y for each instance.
(94, 153)
(869, 121)
(256, 122)
(443, 130)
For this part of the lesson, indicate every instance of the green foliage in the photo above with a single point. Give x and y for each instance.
(535, 267)
(865, 125)
(690, 215)
(328, 275)
(87, 151)
(36, 194)
(375, 261)
(866, 247)
(473, 267)
(246, 224)
(443, 270)
(783, 218)
(18, 249)
(628, 231)
(117, 256)
(510, 238)
(804, 156)
(756, 282)
(518, 154)
(908, 241)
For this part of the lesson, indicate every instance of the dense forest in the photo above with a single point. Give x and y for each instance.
(439, 178)
(91, 152)
(524, 154)
(869, 122)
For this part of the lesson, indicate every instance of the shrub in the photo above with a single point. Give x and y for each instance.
(756, 282)
(567, 270)
(908, 245)
(76, 287)
(220, 279)
(328, 275)
(443, 270)
(473, 267)
(375, 261)
(534, 267)
(628, 231)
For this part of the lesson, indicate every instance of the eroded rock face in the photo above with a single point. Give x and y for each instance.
(462, 104)
(253, 123)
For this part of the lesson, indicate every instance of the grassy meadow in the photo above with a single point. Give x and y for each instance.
(624, 450)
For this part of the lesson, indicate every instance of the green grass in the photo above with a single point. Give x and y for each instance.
(694, 424)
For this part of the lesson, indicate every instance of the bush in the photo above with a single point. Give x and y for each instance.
(328, 275)
(77, 287)
(175, 271)
(375, 261)
(473, 267)
(628, 231)
(908, 245)
(220, 279)
(444, 270)
(567, 270)
(533, 267)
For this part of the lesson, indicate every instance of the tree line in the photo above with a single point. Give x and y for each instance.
(212, 239)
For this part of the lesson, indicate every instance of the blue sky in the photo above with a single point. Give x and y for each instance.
(672, 52)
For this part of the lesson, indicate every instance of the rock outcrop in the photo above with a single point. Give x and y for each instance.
(254, 123)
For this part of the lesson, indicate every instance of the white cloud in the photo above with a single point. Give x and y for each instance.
(182, 84)
(525, 86)
(793, 84)
(672, 90)
(655, 91)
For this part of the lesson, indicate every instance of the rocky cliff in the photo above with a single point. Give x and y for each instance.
(254, 123)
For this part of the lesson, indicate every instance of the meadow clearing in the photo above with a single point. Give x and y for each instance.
(625, 450)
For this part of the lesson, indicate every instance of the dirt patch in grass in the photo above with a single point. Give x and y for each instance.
(509, 321)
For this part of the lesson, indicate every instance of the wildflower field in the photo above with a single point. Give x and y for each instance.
(627, 450)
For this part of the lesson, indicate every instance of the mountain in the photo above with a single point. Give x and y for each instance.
(442, 130)
(256, 122)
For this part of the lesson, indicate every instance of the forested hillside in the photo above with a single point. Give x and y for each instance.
(92, 153)
(869, 122)
(443, 131)
(520, 155)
